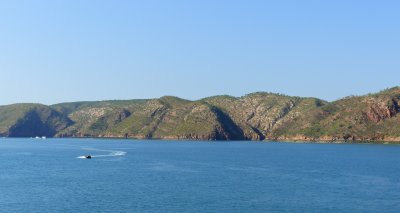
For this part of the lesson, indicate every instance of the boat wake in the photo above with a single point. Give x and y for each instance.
(110, 153)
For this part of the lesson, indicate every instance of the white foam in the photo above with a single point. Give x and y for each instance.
(111, 153)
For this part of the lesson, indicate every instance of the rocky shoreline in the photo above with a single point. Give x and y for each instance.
(290, 140)
(257, 116)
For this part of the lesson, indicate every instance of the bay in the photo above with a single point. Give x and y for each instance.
(182, 176)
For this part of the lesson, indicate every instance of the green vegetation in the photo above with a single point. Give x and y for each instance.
(256, 116)
(30, 120)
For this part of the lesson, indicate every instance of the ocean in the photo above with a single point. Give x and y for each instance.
(52, 175)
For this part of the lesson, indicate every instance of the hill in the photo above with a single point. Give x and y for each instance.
(256, 116)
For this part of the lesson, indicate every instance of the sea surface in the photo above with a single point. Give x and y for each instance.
(175, 176)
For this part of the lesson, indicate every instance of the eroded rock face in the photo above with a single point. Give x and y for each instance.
(381, 111)
(121, 115)
(394, 106)
(256, 116)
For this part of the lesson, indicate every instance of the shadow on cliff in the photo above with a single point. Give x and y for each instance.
(39, 122)
(231, 131)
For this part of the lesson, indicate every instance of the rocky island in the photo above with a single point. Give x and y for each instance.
(256, 116)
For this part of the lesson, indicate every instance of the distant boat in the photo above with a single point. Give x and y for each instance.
(88, 157)
(43, 137)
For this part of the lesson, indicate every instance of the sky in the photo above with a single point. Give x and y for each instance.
(71, 50)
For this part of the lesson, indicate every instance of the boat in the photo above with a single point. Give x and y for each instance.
(88, 157)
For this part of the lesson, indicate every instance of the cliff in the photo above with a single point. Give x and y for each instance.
(256, 116)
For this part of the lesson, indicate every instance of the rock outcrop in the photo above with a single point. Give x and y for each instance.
(256, 116)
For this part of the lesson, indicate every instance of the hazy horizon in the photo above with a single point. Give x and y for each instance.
(67, 51)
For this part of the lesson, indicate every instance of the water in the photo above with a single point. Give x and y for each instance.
(159, 176)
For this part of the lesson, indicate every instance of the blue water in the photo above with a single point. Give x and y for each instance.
(160, 176)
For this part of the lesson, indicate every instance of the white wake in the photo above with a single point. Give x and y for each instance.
(110, 153)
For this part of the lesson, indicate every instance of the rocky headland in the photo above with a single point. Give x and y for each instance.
(256, 116)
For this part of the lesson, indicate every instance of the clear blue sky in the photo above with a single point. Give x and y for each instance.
(72, 50)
